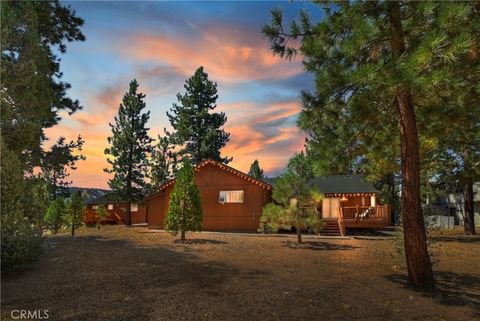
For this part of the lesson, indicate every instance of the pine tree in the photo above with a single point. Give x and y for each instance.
(36, 199)
(102, 213)
(185, 207)
(33, 99)
(33, 96)
(74, 211)
(130, 145)
(162, 163)
(12, 182)
(388, 59)
(56, 162)
(255, 170)
(20, 241)
(454, 156)
(456, 161)
(196, 129)
(55, 216)
(296, 202)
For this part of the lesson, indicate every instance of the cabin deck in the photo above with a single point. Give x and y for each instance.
(364, 217)
(90, 217)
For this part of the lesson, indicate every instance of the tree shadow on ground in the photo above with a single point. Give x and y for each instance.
(452, 289)
(199, 241)
(458, 238)
(131, 278)
(318, 245)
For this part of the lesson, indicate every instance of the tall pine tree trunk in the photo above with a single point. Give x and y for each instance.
(129, 214)
(182, 235)
(299, 235)
(73, 226)
(469, 216)
(420, 275)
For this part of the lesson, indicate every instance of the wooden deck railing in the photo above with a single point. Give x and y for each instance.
(118, 218)
(364, 213)
(364, 217)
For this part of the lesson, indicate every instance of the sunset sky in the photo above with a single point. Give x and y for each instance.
(161, 44)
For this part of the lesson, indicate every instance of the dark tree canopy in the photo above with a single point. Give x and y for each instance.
(33, 94)
(129, 147)
(163, 163)
(196, 128)
(56, 162)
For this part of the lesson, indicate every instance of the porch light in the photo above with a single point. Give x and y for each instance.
(343, 199)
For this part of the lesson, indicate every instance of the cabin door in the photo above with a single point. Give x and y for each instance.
(331, 207)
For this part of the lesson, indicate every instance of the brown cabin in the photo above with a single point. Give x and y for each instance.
(117, 211)
(231, 200)
(349, 202)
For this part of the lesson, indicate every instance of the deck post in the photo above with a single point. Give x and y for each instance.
(387, 208)
(341, 225)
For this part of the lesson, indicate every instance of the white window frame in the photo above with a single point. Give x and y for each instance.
(228, 197)
(134, 207)
(94, 207)
(110, 207)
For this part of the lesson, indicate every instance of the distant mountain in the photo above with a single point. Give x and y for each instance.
(89, 193)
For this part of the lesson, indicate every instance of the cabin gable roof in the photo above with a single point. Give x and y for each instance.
(339, 184)
(223, 167)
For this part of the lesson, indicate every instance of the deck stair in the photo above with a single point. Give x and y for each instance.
(331, 228)
(118, 218)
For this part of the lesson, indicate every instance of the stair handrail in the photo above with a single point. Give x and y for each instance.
(118, 217)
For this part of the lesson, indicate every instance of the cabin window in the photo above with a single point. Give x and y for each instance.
(230, 197)
(110, 207)
(133, 207)
(94, 207)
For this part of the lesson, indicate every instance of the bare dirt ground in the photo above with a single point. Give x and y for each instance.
(136, 274)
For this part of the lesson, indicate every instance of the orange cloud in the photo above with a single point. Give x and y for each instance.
(227, 59)
(248, 142)
(248, 139)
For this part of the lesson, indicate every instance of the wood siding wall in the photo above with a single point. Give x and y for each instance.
(216, 216)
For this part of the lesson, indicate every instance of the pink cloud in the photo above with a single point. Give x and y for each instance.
(248, 142)
(247, 139)
(228, 59)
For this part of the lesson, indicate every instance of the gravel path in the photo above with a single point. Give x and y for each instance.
(134, 274)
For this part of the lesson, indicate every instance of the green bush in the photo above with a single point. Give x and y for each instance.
(21, 241)
(74, 211)
(54, 218)
(272, 219)
(102, 213)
